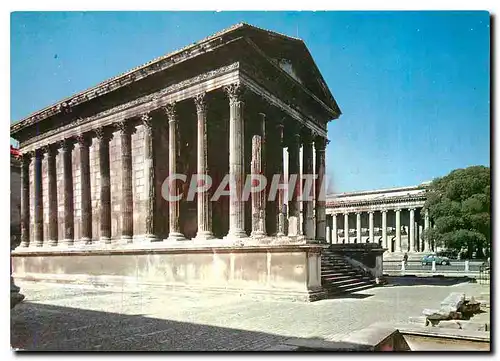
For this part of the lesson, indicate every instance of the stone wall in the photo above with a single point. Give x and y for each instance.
(288, 271)
(15, 195)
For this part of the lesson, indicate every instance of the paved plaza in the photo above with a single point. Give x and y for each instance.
(59, 317)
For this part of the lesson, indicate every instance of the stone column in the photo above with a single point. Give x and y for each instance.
(320, 144)
(358, 227)
(149, 178)
(384, 230)
(334, 229)
(25, 199)
(175, 233)
(38, 200)
(127, 208)
(85, 200)
(346, 227)
(66, 147)
(280, 221)
(427, 244)
(104, 136)
(328, 230)
(258, 168)
(420, 239)
(52, 195)
(398, 230)
(294, 168)
(236, 162)
(307, 199)
(203, 197)
(411, 233)
(370, 226)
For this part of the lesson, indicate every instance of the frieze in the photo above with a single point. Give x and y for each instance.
(337, 204)
(139, 101)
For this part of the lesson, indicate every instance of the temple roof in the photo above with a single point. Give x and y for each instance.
(275, 45)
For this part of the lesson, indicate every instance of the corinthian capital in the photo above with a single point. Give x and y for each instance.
(103, 134)
(124, 127)
(201, 103)
(320, 143)
(83, 140)
(66, 145)
(147, 120)
(234, 92)
(170, 112)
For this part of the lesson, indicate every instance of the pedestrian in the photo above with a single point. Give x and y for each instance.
(405, 259)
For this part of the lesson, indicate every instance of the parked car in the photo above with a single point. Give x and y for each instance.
(433, 257)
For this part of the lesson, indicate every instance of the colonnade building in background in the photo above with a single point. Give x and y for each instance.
(394, 218)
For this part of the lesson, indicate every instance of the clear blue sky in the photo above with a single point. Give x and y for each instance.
(413, 86)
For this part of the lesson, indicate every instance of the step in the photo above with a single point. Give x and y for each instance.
(339, 281)
(354, 285)
(348, 281)
(339, 274)
(346, 292)
(337, 267)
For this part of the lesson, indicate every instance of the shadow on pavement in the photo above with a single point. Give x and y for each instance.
(39, 327)
(425, 281)
(359, 296)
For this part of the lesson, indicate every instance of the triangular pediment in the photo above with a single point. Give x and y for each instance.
(293, 57)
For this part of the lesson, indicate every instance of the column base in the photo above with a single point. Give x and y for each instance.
(105, 240)
(37, 244)
(175, 236)
(127, 239)
(203, 236)
(52, 242)
(151, 238)
(66, 242)
(258, 234)
(24, 245)
(85, 241)
(238, 233)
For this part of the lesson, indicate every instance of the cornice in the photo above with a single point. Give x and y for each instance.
(149, 68)
(393, 200)
(153, 97)
(140, 72)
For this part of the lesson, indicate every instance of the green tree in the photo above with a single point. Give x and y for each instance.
(459, 205)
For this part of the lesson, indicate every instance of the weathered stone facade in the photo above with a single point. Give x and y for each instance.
(15, 194)
(108, 151)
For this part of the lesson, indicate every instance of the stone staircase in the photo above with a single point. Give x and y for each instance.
(339, 277)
